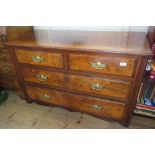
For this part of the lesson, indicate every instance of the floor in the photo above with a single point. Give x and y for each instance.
(16, 113)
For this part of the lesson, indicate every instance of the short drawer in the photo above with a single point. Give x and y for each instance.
(7, 69)
(84, 84)
(42, 58)
(97, 107)
(44, 77)
(120, 65)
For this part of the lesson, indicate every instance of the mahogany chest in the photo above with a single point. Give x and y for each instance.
(98, 73)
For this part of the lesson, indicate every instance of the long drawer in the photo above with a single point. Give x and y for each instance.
(42, 58)
(7, 69)
(98, 107)
(109, 64)
(90, 85)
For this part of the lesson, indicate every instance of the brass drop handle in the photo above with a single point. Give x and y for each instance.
(41, 77)
(97, 86)
(46, 96)
(2, 55)
(37, 59)
(98, 65)
(96, 107)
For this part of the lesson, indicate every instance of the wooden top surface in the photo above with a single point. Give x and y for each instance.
(112, 42)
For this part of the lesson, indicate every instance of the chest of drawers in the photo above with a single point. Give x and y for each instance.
(99, 74)
(8, 75)
(7, 69)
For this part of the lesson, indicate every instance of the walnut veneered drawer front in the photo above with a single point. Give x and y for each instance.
(119, 65)
(42, 58)
(100, 86)
(98, 107)
(7, 69)
(48, 95)
(89, 85)
(44, 77)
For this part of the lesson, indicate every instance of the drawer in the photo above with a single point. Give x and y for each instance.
(6, 84)
(44, 77)
(7, 69)
(5, 56)
(48, 96)
(89, 85)
(100, 86)
(10, 83)
(41, 58)
(97, 107)
(108, 64)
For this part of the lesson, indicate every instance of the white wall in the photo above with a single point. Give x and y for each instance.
(97, 28)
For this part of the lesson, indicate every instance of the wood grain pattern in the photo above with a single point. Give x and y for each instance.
(135, 89)
(83, 62)
(50, 59)
(15, 32)
(110, 42)
(81, 103)
(111, 87)
(53, 78)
